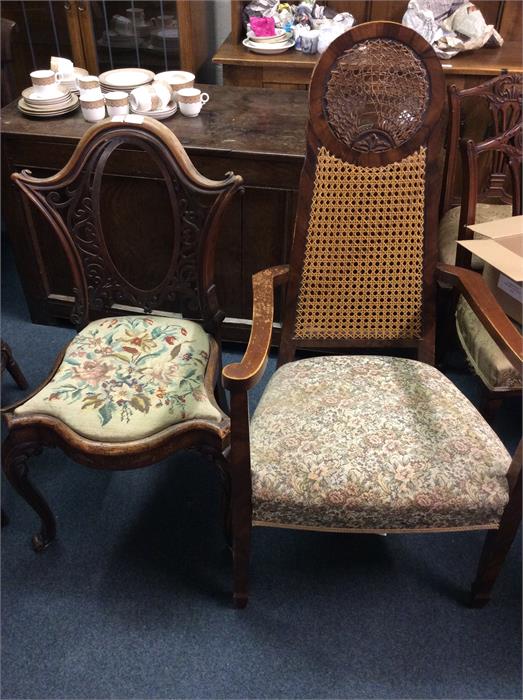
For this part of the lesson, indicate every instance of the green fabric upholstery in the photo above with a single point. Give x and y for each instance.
(449, 225)
(128, 377)
(373, 443)
(483, 353)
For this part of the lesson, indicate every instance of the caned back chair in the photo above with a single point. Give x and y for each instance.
(139, 381)
(364, 254)
(356, 443)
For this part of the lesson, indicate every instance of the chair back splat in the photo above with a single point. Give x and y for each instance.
(364, 251)
(74, 203)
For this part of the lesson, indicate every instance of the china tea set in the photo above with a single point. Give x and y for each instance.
(63, 87)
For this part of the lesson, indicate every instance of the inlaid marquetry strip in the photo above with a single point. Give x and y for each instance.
(363, 265)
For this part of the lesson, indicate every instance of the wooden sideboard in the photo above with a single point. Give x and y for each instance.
(246, 131)
(292, 69)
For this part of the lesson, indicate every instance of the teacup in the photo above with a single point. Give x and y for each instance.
(63, 67)
(122, 25)
(88, 84)
(136, 15)
(93, 108)
(117, 103)
(44, 83)
(191, 100)
(147, 98)
(163, 22)
(176, 79)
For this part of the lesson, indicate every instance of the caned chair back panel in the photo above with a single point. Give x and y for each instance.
(363, 257)
(501, 99)
(506, 146)
(74, 199)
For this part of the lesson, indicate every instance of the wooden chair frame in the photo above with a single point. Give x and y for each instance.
(81, 237)
(240, 377)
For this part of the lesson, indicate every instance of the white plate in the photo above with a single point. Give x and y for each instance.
(62, 95)
(158, 113)
(44, 109)
(126, 77)
(268, 49)
(47, 113)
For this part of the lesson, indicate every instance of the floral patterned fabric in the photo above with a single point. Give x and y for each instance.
(449, 224)
(483, 353)
(128, 377)
(373, 443)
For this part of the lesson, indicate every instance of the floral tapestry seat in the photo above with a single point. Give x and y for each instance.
(128, 377)
(373, 444)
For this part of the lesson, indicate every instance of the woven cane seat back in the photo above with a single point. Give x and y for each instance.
(363, 268)
(376, 95)
(361, 249)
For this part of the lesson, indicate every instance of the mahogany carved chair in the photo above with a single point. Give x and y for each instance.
(500, 379)
(368, 443)
(494, 110)
(139, 381)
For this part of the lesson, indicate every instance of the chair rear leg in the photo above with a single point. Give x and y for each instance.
(14, 462)
(12, 367)
(495, 549)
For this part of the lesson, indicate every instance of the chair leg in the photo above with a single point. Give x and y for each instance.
(14, 462)
(495, 549)
(9, 362)
(241, 497)
(489, 406)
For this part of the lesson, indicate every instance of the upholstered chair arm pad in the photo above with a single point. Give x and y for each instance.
(486, 307)
(246, 374)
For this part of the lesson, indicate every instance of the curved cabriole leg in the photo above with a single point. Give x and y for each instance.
(495, 549)
(14, 461)
(241, 496)
(11, 365)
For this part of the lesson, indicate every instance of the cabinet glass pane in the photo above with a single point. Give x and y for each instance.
(41, 32)
(129, 34)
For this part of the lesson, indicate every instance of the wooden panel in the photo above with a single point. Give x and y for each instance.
(511, 20)
(491, 10)
(392, 10)
(193, 22)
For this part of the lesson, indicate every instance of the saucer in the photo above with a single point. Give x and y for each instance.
(159, 114)
(268, 48)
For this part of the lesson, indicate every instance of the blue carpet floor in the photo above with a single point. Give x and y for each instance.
(133, 598)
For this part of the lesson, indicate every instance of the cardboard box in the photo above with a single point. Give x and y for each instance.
(500, 245)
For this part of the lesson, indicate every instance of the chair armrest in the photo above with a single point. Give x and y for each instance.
(486, 307)
(246, 374)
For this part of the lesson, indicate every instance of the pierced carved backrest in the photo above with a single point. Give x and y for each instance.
(494, 107)
(507, 146)
(112, 273)
(362, 261)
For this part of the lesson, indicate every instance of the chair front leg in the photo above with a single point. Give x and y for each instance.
(496, 548)
(16, 450)
(241, 496)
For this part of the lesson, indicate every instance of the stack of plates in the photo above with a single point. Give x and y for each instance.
(34, 106)
(126, 79)
(71, 84)
(160, 114)
(268, 47)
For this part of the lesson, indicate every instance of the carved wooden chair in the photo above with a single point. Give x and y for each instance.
(368, 443)
(494, 107)
(494, 110)
(500, 379)
(11, 365)
(131, 388)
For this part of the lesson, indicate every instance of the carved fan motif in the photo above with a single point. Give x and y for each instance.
(376, 96)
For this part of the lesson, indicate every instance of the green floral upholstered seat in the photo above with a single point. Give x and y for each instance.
(373, 443)
(128, 377)
(449, 225)
(483, 353)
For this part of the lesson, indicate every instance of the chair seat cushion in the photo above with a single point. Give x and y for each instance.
(483, 353)
(373, 443)
(128, 377)
(449, 225)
